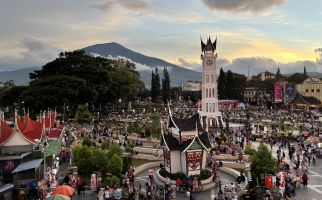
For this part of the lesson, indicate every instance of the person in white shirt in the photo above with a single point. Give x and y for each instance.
(107, 194)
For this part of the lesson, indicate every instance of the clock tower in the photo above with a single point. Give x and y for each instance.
(209, 112)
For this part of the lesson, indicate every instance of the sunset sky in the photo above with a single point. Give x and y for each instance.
(264, 34)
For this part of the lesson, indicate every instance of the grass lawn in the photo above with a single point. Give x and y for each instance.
(137, 162)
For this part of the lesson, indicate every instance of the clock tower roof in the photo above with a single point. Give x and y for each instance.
(209, 46)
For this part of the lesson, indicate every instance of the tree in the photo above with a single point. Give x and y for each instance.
(11, 95)
(305, 74)
(76, 78)
(221, 86)
(263, 162)
(105, 145)
(278, 74)
(297, 78)
(87, 141)
(100, 160)
(115, 165)
(155, 85)
(83, 115)
(114, 149)
(83, 158)
(166, 88)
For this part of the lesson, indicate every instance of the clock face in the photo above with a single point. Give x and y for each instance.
(209, 62)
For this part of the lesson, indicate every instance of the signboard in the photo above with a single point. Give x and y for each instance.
(278, 92)
(290, 92)
(268, 182)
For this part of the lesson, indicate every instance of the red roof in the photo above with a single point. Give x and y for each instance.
(54, 133)
(33, 131)
(20, 124)
(5, 131)
(50, 120)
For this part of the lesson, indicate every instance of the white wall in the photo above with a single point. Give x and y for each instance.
(175, 162)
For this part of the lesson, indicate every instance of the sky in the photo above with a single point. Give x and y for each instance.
(261, 34)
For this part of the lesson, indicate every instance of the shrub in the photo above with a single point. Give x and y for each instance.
(111, 180)
(205, 174)
(249, 150)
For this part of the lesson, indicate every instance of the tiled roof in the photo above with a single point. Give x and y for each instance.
(54, 133)
(188, 124)
(171, 142)
(33, 131)
(204, 138)
(21, 125)
(300, 99)
(5, 133)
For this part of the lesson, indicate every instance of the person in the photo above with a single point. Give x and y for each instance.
(100, 195)
(151, 173)
(314, 159)
(107, 194)
(305, 179)
(195, 184)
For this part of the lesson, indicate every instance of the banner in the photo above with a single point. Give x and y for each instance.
(268, 182)
(290, 92)
(278, 92)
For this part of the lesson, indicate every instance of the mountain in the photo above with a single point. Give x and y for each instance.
(144, 64)
(19, 76)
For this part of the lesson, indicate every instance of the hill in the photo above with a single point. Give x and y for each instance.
(144, 65)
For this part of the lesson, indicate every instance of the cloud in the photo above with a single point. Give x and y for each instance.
(34, 53)
(188, 64)
(318, 52)
(260, 64)
(134, 5)
(253, 6)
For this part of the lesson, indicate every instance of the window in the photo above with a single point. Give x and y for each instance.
(306, 90)
(206, 92)
(213, 92)
(206, 107)
(312, 90)
(212, 79)
(317, 90)
(207, 78)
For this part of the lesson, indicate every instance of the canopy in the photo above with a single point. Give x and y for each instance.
(53, 148)
(27, 165)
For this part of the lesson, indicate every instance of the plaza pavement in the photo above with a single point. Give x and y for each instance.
(314, 189)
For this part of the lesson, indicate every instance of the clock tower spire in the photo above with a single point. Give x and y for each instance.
(209, 112)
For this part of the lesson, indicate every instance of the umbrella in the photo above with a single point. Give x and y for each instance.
(59, 197)
(64, 190)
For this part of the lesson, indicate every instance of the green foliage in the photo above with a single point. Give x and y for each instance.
(100, 160)
(222, 85)
(249, 150)
(205, 174)
(166, 88)
(127, 162)
(76, 78)
(83, 115)
(105, 145)
(83, 158)
(297, 78)
(11, 95)
(114, 149)
(89, 159)
(263, 162)
(165, 174)
(278, 74)
(231, 85)
(115, 165)
(111, 181)
(155, 85)
(87, 141)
